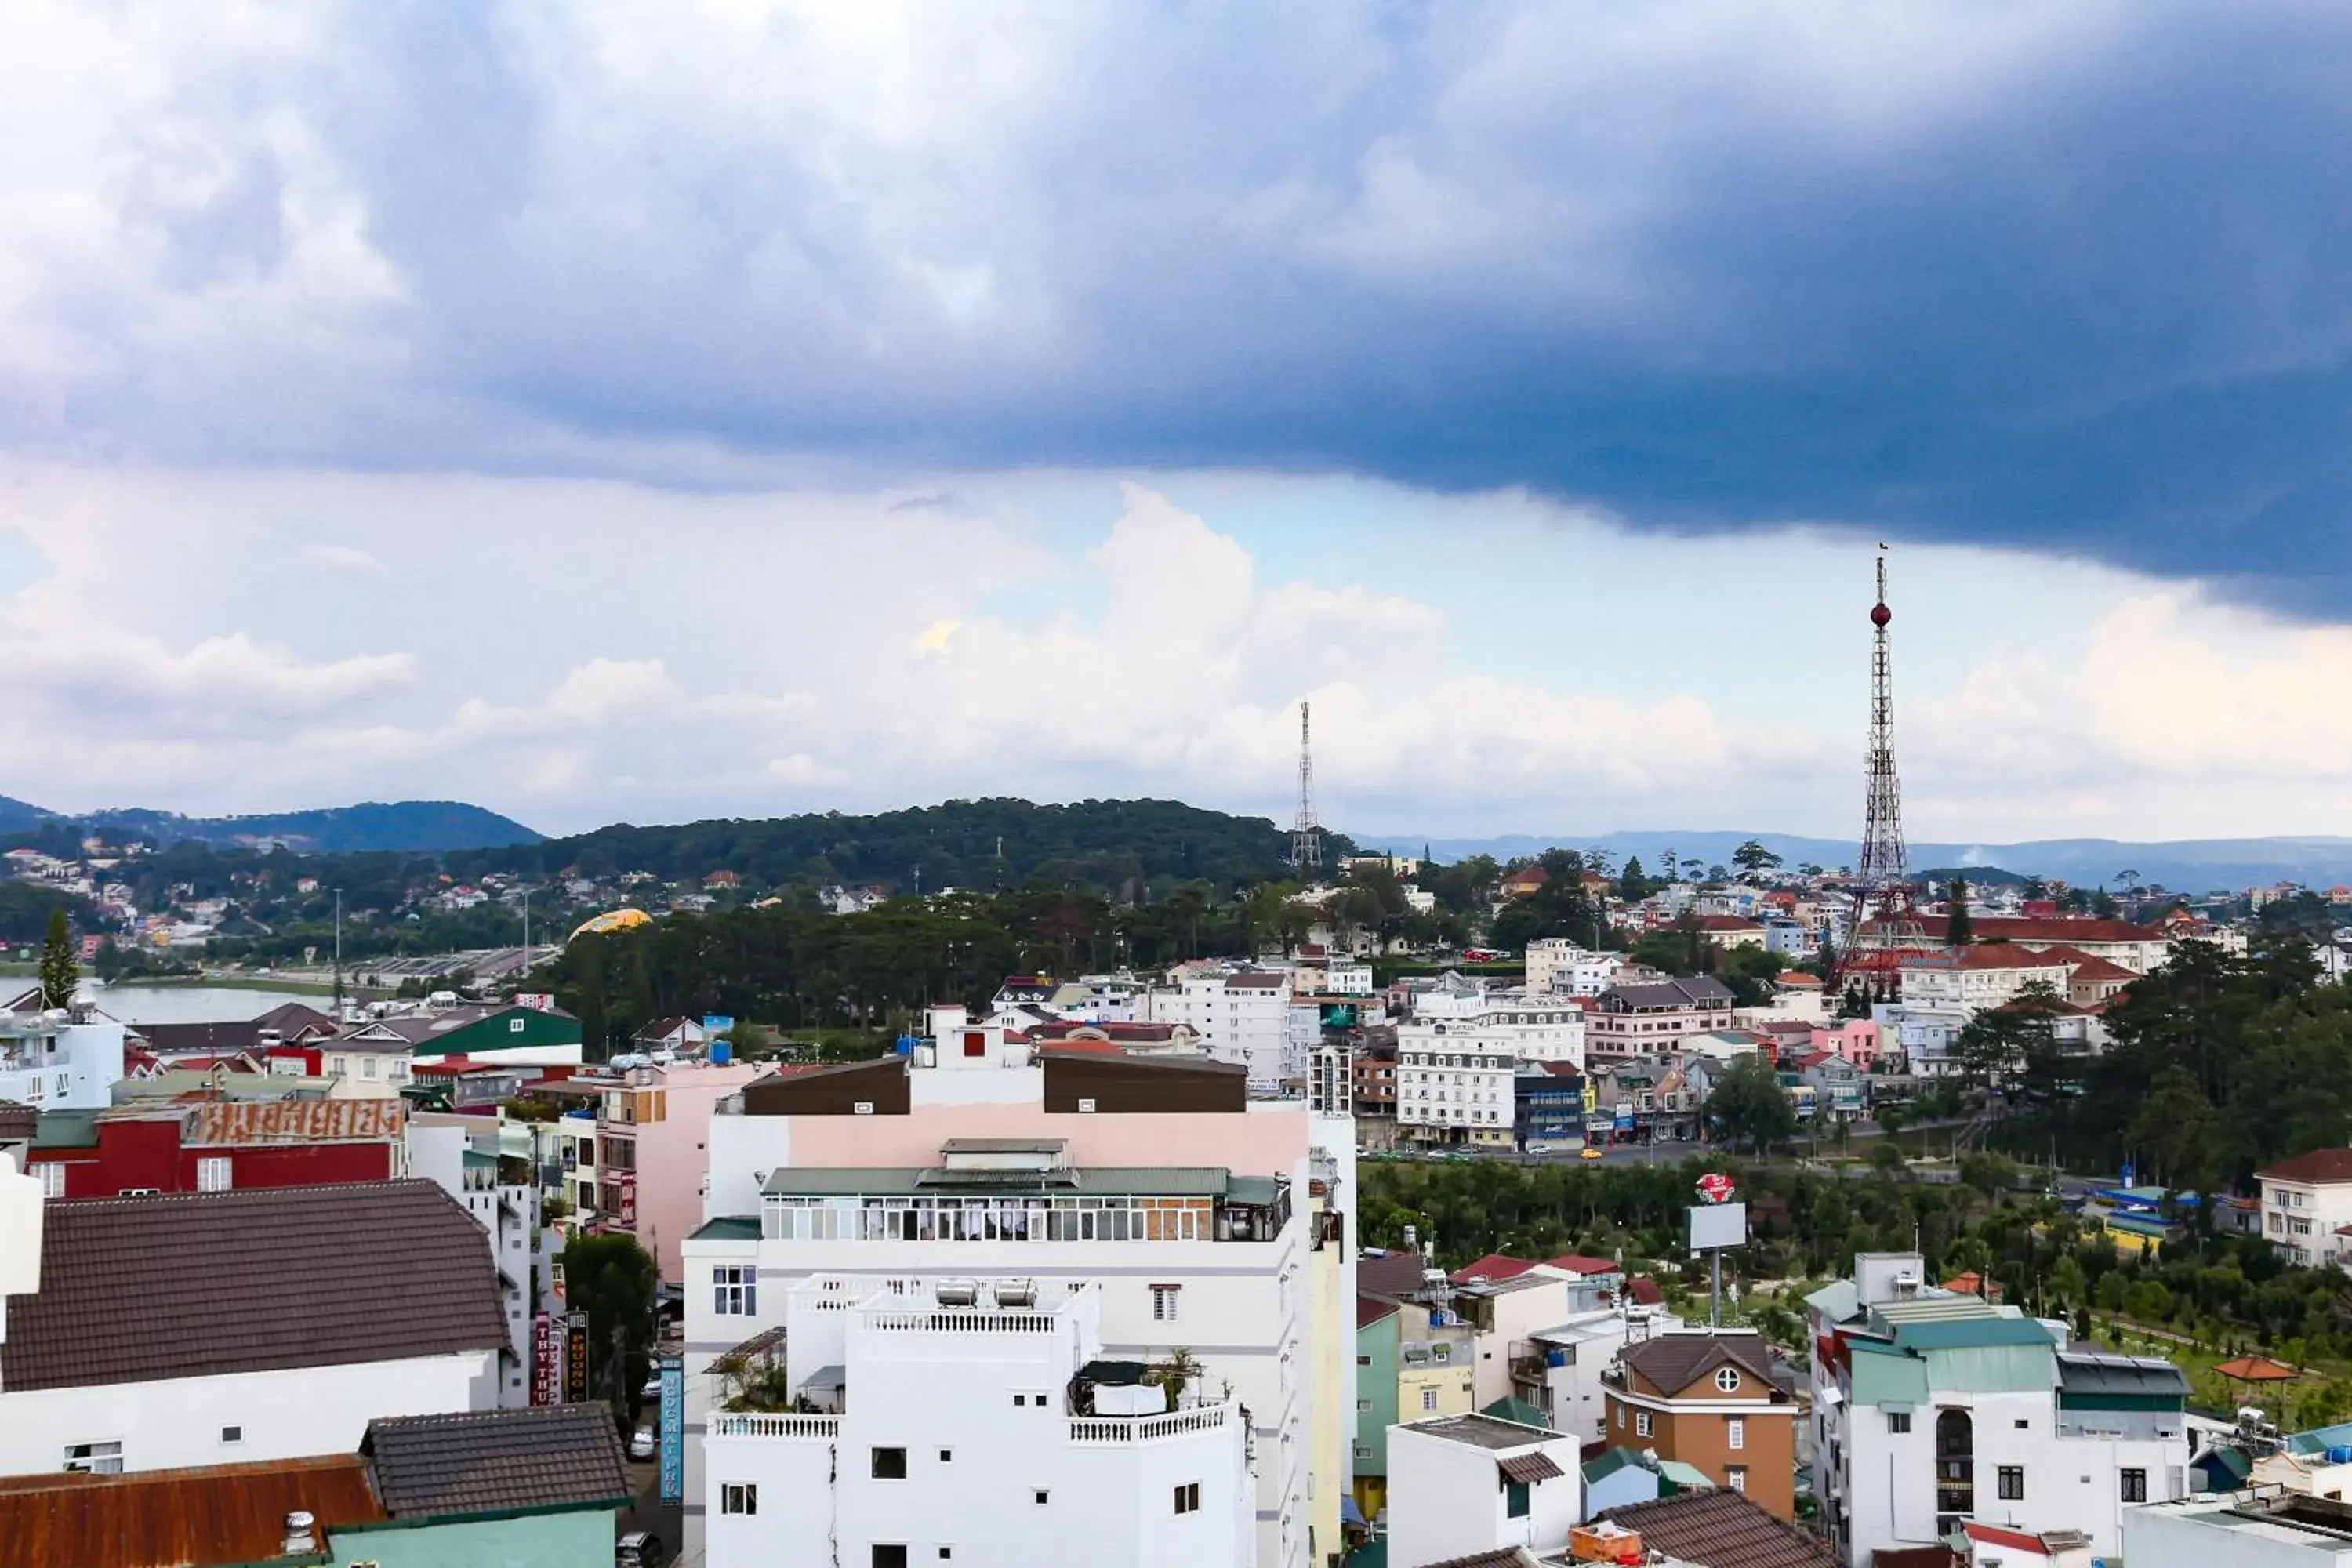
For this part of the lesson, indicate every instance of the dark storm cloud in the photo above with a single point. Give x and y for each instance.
(2076, 277)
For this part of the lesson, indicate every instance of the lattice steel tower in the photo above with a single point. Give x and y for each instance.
(1883, 873)
(1306, 834)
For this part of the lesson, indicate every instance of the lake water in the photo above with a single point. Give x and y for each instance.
(189, 1004)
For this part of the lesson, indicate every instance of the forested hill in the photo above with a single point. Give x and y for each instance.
(1121, 845)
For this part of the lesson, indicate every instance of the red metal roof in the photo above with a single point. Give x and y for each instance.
(1494, 1265)
(218, 1514)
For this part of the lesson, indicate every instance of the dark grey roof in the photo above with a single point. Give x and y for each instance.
(17, 1122)
(196, 1284)
(2084, 1371)
(1482, 1431)
(1704, 990)
(485, 1461)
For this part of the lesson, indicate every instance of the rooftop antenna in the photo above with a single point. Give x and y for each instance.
(1306, 834)
(1882, 873)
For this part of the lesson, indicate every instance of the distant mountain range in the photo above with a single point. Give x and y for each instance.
(2186, 864)
(414, 826)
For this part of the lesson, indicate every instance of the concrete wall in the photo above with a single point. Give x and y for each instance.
(282, 1415)
(1446, 1499)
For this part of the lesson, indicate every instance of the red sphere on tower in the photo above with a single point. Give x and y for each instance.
(1880, 614)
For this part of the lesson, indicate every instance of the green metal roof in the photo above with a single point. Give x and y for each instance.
(1093, 1181)
(1510, 1409)
(65, 1130)
(1684, 1477)
(1972, 1333)
(727, 1228)
(1606, 1463)
(2105, 1375)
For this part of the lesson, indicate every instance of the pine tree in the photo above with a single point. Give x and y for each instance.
(59, 974)
(1960, 930)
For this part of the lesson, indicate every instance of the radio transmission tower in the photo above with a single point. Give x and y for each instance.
(1882, 890)
(1306, 834)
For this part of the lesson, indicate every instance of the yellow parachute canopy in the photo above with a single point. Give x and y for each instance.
(611, 920)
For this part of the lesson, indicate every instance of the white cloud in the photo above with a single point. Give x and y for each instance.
(343, 557)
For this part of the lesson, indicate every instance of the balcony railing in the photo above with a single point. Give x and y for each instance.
(808, 1428)
(1097, 1429)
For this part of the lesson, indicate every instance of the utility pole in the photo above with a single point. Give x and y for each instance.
(524, 972)
(339, 955)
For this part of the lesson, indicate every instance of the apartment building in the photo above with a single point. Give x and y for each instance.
(1716, 1400)
(1655, 1018)
(486, 1167)
(974, 1422)
(1458, 1055)
(1158, 1181)
(2306, 1207)
(1238, 1016)
(1557, 966)
(1931, 1410)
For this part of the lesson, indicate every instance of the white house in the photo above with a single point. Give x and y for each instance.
(1461, 1486)
(59, 1060)
(1931, 1409)
(2239, 1530)
(1970, 979)
(1156, 1180)
(1557, 965)
(194, 1329)
(2307, 1205)
(972, 1421)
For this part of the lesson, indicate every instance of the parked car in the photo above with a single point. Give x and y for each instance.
(639, 1549)
(641, 1444)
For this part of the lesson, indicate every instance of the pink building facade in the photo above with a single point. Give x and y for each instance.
(1855, 1039)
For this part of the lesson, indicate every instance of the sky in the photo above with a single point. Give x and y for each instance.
(607, 412)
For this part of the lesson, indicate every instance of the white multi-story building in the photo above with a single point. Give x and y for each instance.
(1156, 1180)
(1459, 1055)
(2307, 1205)
(1931, 1409)
(485, 1166)
(973, 1422)
(59, 1060)
(1238, 1016)
(1970, 979)
(194, 1329)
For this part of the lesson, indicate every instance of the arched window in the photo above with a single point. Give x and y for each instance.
(1956, 1479)
(1728, 1380)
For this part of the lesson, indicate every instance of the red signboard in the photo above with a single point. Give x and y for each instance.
(546, 1362)
(1714, 1187)
(628, 1199)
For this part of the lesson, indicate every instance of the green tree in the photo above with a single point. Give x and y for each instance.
(1754, 860)
(614, 1280)
(1750, 1107)
(1631, 886)
(2066, 1281)
(60, 973)
(1959, 929)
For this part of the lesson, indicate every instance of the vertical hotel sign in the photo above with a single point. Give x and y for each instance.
(673, 1428)
(575, 1358)
(546, 1362)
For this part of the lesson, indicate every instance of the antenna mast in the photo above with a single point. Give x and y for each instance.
(1306, 834)
(1882, 880)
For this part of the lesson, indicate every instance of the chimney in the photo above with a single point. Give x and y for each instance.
(301, 1541)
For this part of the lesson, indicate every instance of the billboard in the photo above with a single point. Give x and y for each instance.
(673, 1428)
(1624, 1122)
(575, 1358)
(546, 1362)
(628, 1200)
(716, 1023)
(536, 1001)
(1718, 1225)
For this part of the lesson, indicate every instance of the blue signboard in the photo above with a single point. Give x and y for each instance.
(716, 1023)
(1624, 1118)
(673, 1428)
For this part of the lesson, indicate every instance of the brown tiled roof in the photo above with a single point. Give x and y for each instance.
(1508, 1557)
(17, 1122)
(1528, 1469)
(218, 1514)
(195, 1284)
(1396, 1275)
(1721, 1528)
(481, 1461)
(2319, 1168)
(1371, 1309)
(1674, 1362)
